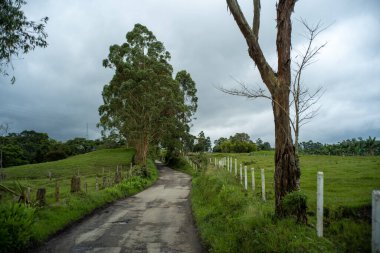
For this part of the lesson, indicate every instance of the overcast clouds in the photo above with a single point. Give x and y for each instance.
(58, 89)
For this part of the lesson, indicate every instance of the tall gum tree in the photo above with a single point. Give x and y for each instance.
(287, 171)
(143, 101)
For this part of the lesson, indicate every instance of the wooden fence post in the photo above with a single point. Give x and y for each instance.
(320, 204)
(49, 176)
(56, 192)
(75, 184)
(253, 178)
(27, 195)
(245, 178)
(376, 221)
(41, 200)
(117, 176)
(263, 185)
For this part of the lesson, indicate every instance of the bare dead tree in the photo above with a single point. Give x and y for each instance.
(278, 82)
(303, 100)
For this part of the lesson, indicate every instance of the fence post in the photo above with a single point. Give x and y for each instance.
(241, 174)
(320, 204)
(27, 195)
(253, 178)
(104, 182)
(96, 184)
(75, 184)
(235, 167)
(41, 200)
(49, 176)
(215, 163)
(245, 178)
(263, 184)
(375, 221)
(56, 192)
(230, 164)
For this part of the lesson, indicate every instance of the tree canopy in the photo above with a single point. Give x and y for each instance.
(17, 34)
(238, 143)
(143, 101)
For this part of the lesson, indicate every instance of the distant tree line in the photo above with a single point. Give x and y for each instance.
(239, 143)
(30, 147)
(359, 146)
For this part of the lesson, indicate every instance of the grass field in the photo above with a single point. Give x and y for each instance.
(231, 219)
(348, 181)
(54, 216)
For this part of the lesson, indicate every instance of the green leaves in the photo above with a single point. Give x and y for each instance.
(143, 101)
(17, 34)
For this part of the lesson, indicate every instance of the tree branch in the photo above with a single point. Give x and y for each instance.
(256, 18)
(254, 49)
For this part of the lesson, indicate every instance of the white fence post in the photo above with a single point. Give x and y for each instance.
(228, 164)
(245, 178)
(235, 167)
(241, 174)
(263, 185)
(231, 165)
(376, 221)
(215, 162)
(320, 204)
(253, 178)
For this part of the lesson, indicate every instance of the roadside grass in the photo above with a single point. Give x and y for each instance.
(55, 216)
(231, 219)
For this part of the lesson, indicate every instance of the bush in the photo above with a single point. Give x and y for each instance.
(55, 155)
(15, 226)
(295, 204)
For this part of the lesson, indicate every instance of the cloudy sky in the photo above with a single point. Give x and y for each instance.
(58, 89)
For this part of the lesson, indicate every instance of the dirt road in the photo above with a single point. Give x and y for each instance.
(156, 220)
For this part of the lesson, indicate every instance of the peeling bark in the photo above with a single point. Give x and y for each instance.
(287, 172)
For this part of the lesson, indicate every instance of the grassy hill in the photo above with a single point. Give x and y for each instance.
(21, 225)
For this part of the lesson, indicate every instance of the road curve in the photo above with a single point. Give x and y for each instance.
(156, 220)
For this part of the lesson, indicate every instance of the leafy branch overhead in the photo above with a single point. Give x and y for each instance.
(18, 35)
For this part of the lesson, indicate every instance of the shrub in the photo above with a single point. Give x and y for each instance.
(15, 226)
(295, 204)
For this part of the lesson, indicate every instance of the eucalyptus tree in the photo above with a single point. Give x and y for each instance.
(143, 101)
(287, 171)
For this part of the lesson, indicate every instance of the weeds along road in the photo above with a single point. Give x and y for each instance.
(158, 219)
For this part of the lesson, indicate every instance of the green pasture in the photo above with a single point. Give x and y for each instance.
(231, 219)
(348, 180)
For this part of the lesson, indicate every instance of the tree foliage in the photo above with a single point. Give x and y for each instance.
(17, 34)
(143, 101)
(203, 143)
(238, 143)
(30, 147)
(349, 147)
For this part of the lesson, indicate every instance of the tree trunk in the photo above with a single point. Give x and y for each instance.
(142, 146)
(287, 172)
